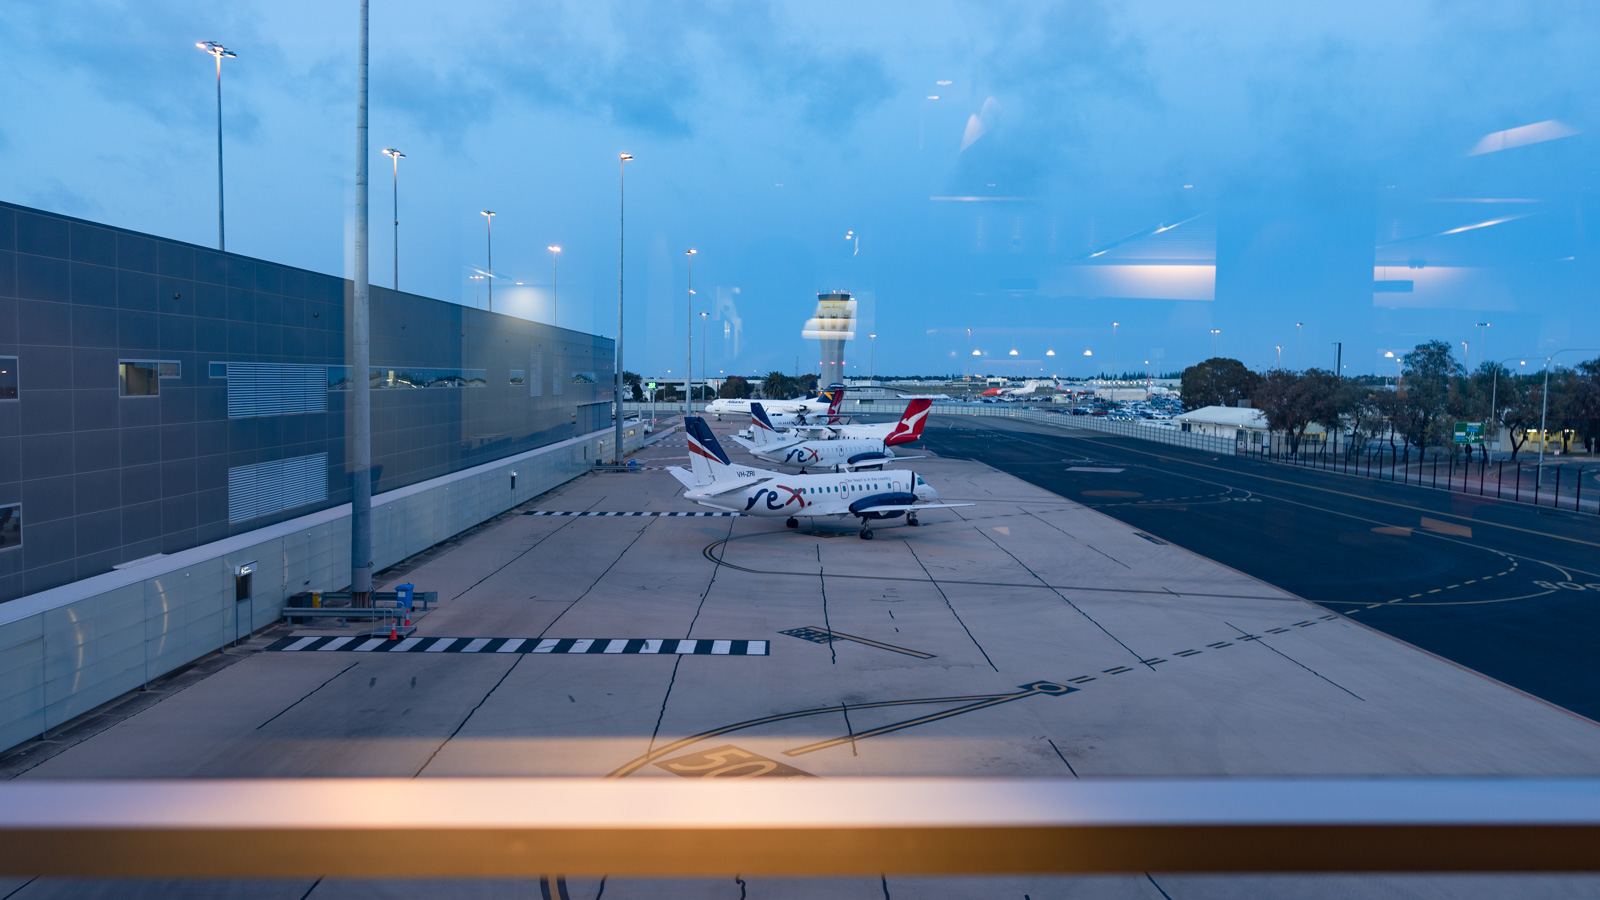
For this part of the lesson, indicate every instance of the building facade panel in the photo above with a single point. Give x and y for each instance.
(125, 426)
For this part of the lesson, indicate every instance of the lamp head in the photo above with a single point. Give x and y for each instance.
(393, 153)
(486, 212)
(690, 252)
(626, 156)
(216, 49)
(553, 249)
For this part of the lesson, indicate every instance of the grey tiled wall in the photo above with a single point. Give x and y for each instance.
(105, 479)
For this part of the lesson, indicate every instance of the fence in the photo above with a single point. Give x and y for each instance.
(1480, 478)
(1144, 430)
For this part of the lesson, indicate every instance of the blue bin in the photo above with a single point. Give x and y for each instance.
(405, 592)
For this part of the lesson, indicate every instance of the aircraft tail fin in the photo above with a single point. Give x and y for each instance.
(706, 456)
(909, 428)
(761, 431)
(835, 397)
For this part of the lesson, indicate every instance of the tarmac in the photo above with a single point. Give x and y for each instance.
(1028, 635)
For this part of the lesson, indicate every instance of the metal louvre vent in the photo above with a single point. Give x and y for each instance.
(270, 487)
(275, 389)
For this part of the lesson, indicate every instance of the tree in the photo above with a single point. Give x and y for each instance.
(1584, 403)
(1217, 382)
(1424, 392)
(735, 387)
(632, 386)
(1293, 402)
(777, 386)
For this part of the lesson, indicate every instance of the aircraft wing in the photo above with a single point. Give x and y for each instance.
(909, 507)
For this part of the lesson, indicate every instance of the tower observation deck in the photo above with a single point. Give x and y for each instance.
(832, 324)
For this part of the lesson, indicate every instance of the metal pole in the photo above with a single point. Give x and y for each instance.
(1544, 438)
(361, 362)
(222, 243)
(688, 341)
(488, 222)
(396, 158)
(703, 381)
(622, 162)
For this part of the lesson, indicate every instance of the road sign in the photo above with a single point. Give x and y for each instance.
(1469, 432)
(651, 385)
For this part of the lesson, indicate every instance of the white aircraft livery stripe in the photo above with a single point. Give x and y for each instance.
(563, 646)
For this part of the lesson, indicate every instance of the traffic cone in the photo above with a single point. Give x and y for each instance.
(392, 635)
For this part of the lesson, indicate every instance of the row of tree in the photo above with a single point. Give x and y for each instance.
(1433, 392)
(776, 386)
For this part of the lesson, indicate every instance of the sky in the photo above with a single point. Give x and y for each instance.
(1255, 179)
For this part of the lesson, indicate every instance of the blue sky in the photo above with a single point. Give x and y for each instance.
(1172, 167)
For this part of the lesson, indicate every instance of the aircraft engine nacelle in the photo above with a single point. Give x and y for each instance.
(891, 497)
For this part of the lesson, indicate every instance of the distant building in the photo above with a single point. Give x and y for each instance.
(1247, 426)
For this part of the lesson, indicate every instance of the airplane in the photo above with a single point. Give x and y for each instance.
(907, 429)
(826, 402)
(844, 454)
(713, 480)
(1027, 387)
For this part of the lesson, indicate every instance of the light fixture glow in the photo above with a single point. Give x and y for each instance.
(1049, 353)
(1013, 353)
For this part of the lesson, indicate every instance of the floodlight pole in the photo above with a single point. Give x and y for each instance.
(396, 155)
(688, 334)
(218, 51)
(361, 361)
(622, 162)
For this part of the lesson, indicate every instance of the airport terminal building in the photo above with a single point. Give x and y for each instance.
(156, 396)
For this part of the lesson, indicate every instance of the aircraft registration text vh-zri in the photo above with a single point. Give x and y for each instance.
(714, 481)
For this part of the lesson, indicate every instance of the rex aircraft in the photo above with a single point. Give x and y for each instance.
(841, 453)
(714, 481)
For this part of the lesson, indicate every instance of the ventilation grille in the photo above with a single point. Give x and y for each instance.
(275, 389)
(269, 487)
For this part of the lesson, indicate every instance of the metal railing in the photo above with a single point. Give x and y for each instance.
(1502, 479)
(506, 827)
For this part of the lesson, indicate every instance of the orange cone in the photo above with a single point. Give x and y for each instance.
(392, 635)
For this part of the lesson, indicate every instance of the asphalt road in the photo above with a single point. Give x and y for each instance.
(1506, 589)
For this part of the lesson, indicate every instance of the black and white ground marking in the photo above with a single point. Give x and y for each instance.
(558, 512)
(662, 646)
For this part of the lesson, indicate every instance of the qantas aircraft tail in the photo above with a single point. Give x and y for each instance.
(909, 428)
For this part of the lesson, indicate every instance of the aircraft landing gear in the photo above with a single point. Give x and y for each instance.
(792, 523)
(911, 519)
(802, 470)
(866, 533)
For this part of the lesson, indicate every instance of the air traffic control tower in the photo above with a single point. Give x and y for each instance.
(832, 324)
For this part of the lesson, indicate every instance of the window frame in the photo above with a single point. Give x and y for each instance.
(156, 367)
(18, 519)
(16, 371)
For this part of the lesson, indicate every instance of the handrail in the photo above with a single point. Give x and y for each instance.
(498, 827)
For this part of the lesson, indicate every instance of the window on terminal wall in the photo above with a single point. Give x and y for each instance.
(518, 377)
(10, 526)
(139, 379)
(8, 378)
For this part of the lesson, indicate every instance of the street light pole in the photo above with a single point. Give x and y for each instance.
(488, 224)
(221, 52)
(396, 155)
(1214, 333)
(1280, 355)
(688, 339)
(1113, 351)
(703, 346)
(622, 220)
(361, 361)
(1482, 343)
(555, 311)
(1299, 345)
(872, 359)
(1544, 405)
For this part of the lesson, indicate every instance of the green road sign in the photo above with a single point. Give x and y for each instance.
(1469, 432)
(651, 385)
